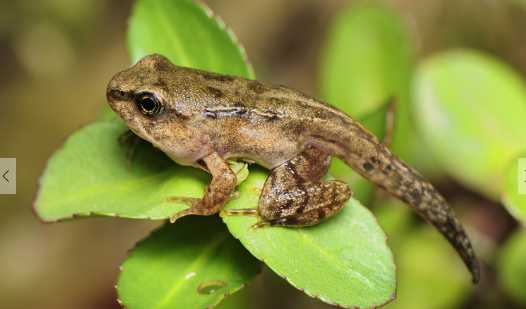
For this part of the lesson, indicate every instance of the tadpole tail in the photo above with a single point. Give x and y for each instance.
(374, 161)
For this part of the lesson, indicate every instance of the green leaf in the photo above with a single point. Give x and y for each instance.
(511, 266)
(188, 34)
(471, 108)
(344, 261)
(430, 274)
(514, 196)
(368, 58)
(89, 175)
(192, 264)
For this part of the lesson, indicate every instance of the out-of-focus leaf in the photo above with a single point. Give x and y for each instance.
(192, 264)
(520, 3)
(471, 108)
(514, 196)
(343, 261)
(431, 274)
(362, 188)
(395, 218)
(367, 60)
(512, 268)
(376, 121)
(107, 114)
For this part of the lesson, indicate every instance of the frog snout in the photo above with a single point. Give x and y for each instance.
(115, 91)
(115, 94)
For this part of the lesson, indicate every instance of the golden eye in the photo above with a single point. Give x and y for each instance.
(148, 104)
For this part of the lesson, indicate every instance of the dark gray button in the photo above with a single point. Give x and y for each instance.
(7, 176)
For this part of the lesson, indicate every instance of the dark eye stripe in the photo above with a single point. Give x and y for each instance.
(118, 94)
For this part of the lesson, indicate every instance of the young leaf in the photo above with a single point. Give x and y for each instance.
(192, 264)
(514, 196)
(188, 34)
(344, 261)
(511, 266)
(471, 108)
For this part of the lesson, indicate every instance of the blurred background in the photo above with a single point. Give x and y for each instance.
(56, 58)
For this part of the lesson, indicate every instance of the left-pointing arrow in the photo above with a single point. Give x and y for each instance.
(5, 176)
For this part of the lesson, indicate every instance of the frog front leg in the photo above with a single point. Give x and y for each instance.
(217, 193)
(294, 194)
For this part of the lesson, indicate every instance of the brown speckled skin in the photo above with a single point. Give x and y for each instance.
(209, 118)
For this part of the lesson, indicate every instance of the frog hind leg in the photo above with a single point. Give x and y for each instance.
(294, 194)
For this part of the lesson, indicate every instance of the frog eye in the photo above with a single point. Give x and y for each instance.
(148, 104)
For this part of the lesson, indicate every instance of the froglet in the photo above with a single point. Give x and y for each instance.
(202, 119)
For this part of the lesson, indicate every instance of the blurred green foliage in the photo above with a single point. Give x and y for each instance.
(512, 269)
(512, 198)
(366, 60)
(471, 108)
(431, 276)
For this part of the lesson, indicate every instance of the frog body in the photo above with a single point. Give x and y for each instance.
(203, 119)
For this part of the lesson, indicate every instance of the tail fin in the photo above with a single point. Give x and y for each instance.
(373, 160)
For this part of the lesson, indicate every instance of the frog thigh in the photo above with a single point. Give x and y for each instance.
(294, 195)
